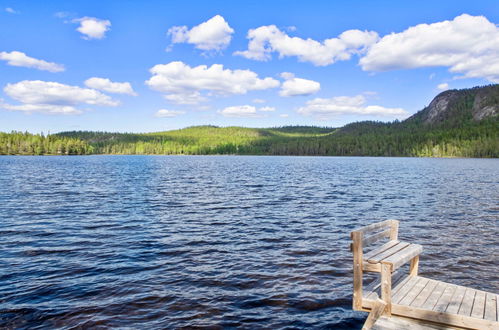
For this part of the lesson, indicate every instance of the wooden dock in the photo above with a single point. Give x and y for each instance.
(410, 301)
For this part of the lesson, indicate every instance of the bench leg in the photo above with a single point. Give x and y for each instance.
(376, 311)
(386, 287)
(357, 271)
(413, 270)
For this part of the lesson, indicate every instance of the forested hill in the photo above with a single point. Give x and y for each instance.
(457, 123)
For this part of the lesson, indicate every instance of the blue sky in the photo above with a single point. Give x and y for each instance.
(136, 66)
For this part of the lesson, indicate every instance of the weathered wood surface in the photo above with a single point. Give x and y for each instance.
(357, 270)
(377, 258)
(372, 290)
(414, 301)
(368, 240)
(399, 323)
(404, 255)
(424, 294)
(374, 315)
(379, 250)
(377, 226)
(491, 307)
(443, 303)
(386, 287)
(413, 269)
(394, 234)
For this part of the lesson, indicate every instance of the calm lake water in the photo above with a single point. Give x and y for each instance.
(226, 241)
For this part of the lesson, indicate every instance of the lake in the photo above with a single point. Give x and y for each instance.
(226, 241)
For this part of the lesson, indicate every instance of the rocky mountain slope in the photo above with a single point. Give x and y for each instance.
(460, 106)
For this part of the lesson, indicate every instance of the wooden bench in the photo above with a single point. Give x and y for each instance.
(411, 298)
(384, 258)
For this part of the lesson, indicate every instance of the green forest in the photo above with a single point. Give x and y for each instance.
(19, 143)
(451, 133)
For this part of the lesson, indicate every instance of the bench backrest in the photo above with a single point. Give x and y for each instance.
(374, 233)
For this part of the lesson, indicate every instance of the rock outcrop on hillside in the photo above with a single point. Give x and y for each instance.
(462, 105)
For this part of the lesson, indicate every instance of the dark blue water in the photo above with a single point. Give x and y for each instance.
(155, 242)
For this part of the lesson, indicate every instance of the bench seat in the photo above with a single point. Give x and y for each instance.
(394, 253)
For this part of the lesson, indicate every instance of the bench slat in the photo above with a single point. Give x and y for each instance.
(375, 226)
(380, 249)
(404, 255)
(383, 255)
(376, 237)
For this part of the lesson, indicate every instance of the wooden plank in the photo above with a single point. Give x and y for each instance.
(456, 300)
(445, 298)
(375, 313)
(414, 292)
(444, 318)
(382, 248)
(402, 291)
(413, 269)
(490, 307)
(478, 309)
(368, 240)
(467, 303)
(398, 286)
(423, 295)
(400, 258)
(404, 323)
(357, 270)
(374, 226)
(434, 296)
(394, 229)
(373, 287)
(385, 254)
(386, 288)
(371, 267)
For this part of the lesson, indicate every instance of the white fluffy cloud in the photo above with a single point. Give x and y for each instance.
(468, 45)
(214, 34)
(92, 28)
(164, 113)
(107, 85)
(443, 86)
(183, 84)
(297, 86)
(16, 58)
(325, 109)
(265, 40)
(53, 97)
(245, 111)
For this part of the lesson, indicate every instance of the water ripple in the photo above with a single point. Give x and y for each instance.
(226, 242)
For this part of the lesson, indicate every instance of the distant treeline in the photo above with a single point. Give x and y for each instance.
(18, 143)
(449, 131)
(359, 139)
(480, 139)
